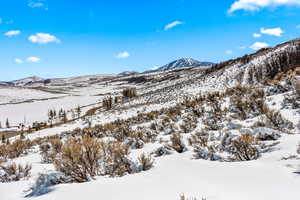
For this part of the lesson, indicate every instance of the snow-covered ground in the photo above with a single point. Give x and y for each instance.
(269, 178)
(216, 174)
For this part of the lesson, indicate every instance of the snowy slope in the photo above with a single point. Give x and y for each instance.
(273, 175)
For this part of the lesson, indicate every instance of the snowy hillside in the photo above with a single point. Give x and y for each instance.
(225, 132)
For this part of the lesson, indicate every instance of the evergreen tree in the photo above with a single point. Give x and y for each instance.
(64, 117)
(7, 124)
(78, 111)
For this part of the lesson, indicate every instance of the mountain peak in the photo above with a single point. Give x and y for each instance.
(183, 62)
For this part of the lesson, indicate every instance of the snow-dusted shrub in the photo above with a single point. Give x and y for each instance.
(212, 123)
(154, 126)
(292, 101)
(3, 153)
(199, 139)
(50, 148)
(243, 148)
(116, 161)
(79, 159)
(14, 172)
(56, 144)
(297, 86)
(174, 113)
(275, 120)
(241, 107)
(188, 125)
(277, 88)
(238, 90)
(145, 135)
(45, 153)
(176, 143)
(44, 182)
(15, 149)
(134, 143)
(247, 102)
(145, 162)
(161, 151)
(298, 149)
(206, 153)
(265, 134)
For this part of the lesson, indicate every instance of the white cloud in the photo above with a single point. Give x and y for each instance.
(172, 25)
(259, 45)
(124, 54)
(43, 38)
(256, 35)
(12, 33)
(272, 31)
(19, 61)
(35, 3)
(255, 5)
(33, 59)
(228, 52)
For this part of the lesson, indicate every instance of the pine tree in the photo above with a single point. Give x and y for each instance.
(7, 124)
(64, 117)
(78, 110)
(54, 114)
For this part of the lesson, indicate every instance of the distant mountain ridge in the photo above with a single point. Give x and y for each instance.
(27, 81)
(181, 63)
(127, 73)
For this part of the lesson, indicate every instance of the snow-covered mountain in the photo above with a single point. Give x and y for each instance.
(127, 73)
(181, 63)
(27, 81)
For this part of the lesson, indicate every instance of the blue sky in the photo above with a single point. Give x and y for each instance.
(58, 38)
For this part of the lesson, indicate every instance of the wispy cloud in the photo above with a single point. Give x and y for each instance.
(172, 25)
(298, 26)
(12, 33)
(256, 35)
(255, 5)
(19, 61)
(272, 31)
(43, 38)
(259, 45)
(121, 55)
(36, 3)
(31, 59)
